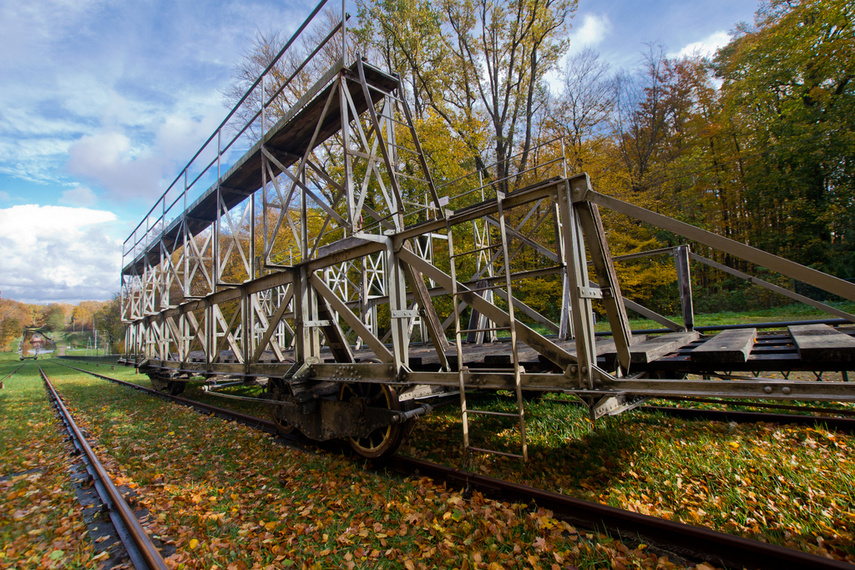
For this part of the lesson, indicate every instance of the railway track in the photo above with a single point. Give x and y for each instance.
(841, 424)
(9, 375)
(686, 541)
(142, 552)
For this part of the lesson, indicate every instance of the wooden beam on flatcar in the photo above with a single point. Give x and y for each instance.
(727, 347)
(819, 343)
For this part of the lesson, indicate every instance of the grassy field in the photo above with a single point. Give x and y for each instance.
(776, 483)
(794, 312)
(227, 496)
(40, 521)
(228, 491)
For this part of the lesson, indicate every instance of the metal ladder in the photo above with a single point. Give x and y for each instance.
(458, 290)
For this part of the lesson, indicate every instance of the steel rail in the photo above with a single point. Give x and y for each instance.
(691, 541)
(844, 425)
(9, 375)
(687, 540)
(244, 418)
(143, 553)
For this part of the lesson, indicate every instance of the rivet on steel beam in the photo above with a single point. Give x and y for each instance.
(786, 390)
(767, 389)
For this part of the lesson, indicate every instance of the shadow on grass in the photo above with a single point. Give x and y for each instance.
(594, 461)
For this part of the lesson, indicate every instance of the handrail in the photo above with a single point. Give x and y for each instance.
(231, 113)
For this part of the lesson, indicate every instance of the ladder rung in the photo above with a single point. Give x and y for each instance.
(495, 452)
(509, 370)
(475, 250)
(492, 413)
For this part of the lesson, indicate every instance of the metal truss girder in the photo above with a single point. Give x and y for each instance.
(557, 355)
(741, 250)
(352, 320)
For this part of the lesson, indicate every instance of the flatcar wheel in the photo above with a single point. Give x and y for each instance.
(158, 383)
(383, 441)
(278, 390)
(171, 387)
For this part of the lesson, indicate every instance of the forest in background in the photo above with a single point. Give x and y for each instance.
(80, 321)
(756, 144)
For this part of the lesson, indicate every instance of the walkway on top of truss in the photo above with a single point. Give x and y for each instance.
(293, 136)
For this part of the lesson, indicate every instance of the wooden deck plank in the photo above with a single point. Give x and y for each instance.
(727, 347)
(817, 343)
(653, 348)
(498, 354)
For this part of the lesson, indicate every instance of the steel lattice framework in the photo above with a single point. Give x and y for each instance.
(326, 248)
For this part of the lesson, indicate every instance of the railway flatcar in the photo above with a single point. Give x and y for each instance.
(329, 266)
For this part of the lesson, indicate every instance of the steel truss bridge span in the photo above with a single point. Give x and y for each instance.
(328, 265)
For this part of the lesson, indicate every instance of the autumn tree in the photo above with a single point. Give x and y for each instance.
(788, 89)
(580, 113)
(478, 65)
(82, 313)
(54, 316)
(108, 322)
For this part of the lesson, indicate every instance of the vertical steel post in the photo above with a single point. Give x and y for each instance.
(343, 31)
(263, 108)
(684, 282)
(399, 315)
(348, 161)
(565, 324)
(582, 314)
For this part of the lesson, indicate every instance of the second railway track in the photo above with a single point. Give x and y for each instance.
(141, 550)
(687, 541)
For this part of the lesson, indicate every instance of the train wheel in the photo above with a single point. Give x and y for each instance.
(279, 390)
(171, 387)
(383, 441)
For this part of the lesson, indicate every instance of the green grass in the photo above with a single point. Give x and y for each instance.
(224, 494)
(40, 521)
(779, 484)
(793, 312)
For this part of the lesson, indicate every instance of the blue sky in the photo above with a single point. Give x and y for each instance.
(103, 101)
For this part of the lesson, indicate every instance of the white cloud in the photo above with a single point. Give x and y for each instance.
(180, 135)
(78, 196)
(4, 196)
(125, 171)
(705, 47)
(57, 253)
(27, 28)
(594, 29)
(117, 96)
(110, 160)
